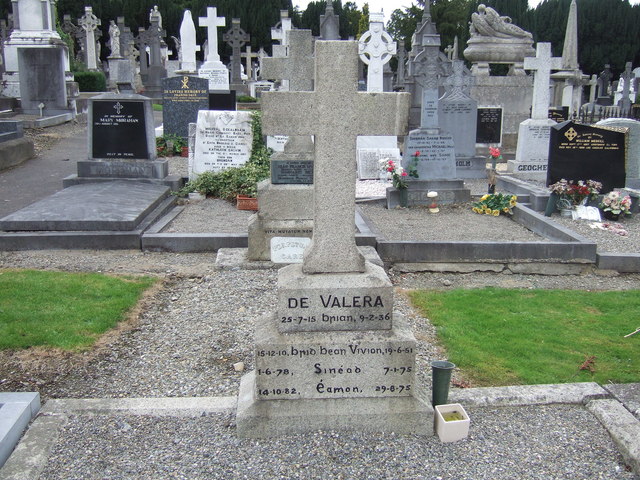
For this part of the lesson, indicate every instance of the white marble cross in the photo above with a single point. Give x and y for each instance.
(212, 22)
(376, 47)
(297, 67)
(335, 113)
(542, 64)
(280, 34)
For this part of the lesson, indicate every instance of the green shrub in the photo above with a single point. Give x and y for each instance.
(170, 145)
(91, 81)
(246, 99)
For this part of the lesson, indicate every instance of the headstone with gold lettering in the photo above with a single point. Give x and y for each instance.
(182, 98)
(334, 354)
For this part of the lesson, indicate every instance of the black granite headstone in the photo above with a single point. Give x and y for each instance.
(182, 97)
(292, 172)
(223, 101)
(489, 126)
(559, 115)
(581, 152)
(119, 130)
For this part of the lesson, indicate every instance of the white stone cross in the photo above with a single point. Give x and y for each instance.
(336, 113)
(280, 34)
(248, 55)
(542, 64)
(212, 22)
(376, 47)
(297, 67)
(89, 22)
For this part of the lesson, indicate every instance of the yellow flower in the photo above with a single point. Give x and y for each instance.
(496, 213)
(484, 197)
(505, 210)
(513, 201)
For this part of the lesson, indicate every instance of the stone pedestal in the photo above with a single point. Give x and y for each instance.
(217, 74)
(449, 191)
(533, 149)
(307, 381)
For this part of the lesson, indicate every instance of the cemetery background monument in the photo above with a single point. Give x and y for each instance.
(533, 137)
(347, 361)
(494, 39)
(212, 68)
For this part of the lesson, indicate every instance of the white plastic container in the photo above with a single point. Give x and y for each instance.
(453, 430)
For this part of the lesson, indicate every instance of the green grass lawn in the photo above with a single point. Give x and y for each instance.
(509, 337)
(63, 310)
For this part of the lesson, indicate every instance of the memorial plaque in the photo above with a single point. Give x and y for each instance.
(327, 365)
(489, 126)
(288, 249)
(119, 130)
(223, 101)
(182, 98)
(559, 115)
(458, 117)
(292, 172)
(223, 140)
(581, 152)
(218, 78)
(437, 159)
(369, 161)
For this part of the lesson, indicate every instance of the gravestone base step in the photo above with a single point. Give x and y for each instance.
(449, 192)
(174, 182)
(114, 206)
(272, 418)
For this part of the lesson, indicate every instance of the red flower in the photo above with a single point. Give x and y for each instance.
(417, 154)
(494, 152)
(404, 174)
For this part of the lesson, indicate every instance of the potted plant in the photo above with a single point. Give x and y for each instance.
(451, 422)
(569, 194)
(615, 204)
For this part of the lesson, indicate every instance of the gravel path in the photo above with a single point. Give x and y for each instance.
(558, 442)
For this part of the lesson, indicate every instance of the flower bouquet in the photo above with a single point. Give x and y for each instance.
(614, 204)
(495, 204)
(571, 194)
(398, 174)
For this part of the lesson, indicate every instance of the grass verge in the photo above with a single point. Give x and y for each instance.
(509, 337)
(63, 310)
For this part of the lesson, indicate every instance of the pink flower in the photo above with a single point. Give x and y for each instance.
(494, 152)
(404, 174)
(417, 154)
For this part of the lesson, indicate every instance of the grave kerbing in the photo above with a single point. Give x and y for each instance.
(334, 338)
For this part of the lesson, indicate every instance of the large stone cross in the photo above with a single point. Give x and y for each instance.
(626, 77)
(89, 22)
(212, 22)
(541, 64)
(336, 113)
(376, 47)
(236, 37)
(297, 67)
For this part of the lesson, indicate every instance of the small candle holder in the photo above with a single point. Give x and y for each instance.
(433, 206)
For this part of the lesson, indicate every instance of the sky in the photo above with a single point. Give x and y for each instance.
(390, 5)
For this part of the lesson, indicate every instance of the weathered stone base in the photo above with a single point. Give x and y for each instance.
(334, 301)
(449, 191)
(528, 170)
(261, 232)
(471, 167)
(271, 418)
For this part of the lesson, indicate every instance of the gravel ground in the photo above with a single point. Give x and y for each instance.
(558, 442)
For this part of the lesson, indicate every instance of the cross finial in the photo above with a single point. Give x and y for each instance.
(212, 22)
